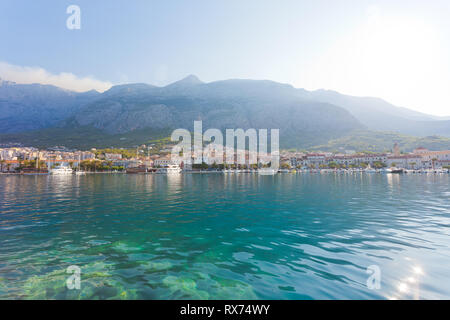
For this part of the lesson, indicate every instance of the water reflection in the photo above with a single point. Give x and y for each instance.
(226, 236)
(174, 182)
(409, 286)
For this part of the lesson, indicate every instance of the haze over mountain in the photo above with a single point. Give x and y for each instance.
(305, 118)
(25, 107)
(380, 115)
(223, 104)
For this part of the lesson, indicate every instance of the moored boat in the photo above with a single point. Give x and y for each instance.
(267, 171)
(396, 170)
(34, 172)
(78, 171)
(61, 170)
(139, 169)
(169, 169)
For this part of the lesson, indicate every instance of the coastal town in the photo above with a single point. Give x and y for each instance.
(30, 160)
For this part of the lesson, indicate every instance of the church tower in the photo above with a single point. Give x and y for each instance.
(396, 150)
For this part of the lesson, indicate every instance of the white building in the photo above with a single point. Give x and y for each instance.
(165, 161)
(406, 161)
(113, 156)
(438, 155)
(315, 159)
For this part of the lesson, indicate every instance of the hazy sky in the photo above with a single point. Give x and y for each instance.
(396, 50)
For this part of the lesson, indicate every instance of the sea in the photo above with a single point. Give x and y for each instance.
(225, 236)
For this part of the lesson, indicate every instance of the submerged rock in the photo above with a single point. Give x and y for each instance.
(157, 265)
(186, 287)
(125, 247)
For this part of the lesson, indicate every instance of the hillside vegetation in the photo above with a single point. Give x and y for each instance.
(383, 141)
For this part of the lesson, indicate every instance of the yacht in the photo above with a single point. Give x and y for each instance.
(396, 170)
(169, 169)
(267, 171)
(439, 171)
(79, 171)
(61, 170)
(34, 172)
(369, 169)
(138, 169)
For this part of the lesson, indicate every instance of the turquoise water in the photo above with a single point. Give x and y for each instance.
(235, 236)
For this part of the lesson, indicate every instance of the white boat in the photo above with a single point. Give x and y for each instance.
(169, 169)
(431, 171)
(79, 171)
(61, 170)
(267, 171)
(396, 170)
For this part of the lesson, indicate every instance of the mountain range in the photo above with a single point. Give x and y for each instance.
(127, 114)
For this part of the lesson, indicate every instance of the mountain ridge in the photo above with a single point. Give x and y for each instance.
(305, 118)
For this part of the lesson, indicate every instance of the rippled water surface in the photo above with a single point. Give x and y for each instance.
(236, 236)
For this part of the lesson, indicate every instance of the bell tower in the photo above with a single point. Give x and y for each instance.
(396, 150)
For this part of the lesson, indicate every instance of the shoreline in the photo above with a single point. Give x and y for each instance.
(324, 171)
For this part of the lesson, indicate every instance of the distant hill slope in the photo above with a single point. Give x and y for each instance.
(380, 115)
(383, 141)
(88, 137)
(25, 107)
(224, 105)
(83, 138)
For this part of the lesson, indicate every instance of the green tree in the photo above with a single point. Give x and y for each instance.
(333, 165)
(285, 166)
(204, 166)
(378, 165)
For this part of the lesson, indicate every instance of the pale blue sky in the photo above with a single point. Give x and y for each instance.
(396, 50)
